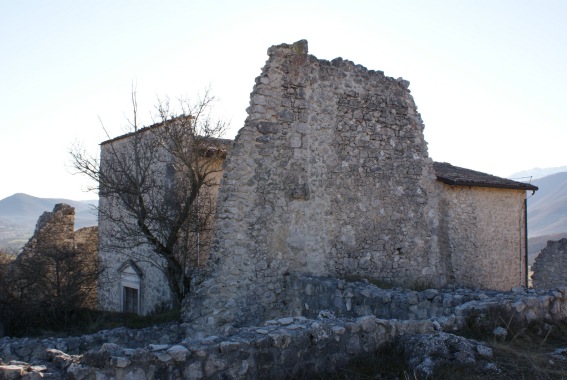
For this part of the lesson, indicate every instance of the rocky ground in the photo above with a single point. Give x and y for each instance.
(512, 335)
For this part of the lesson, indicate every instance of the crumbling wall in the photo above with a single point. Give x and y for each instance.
(56, 248)
(53, 227)
(329, 176)
(550, 266)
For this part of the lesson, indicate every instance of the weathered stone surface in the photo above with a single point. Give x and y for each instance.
(299, 346)
(329, 176)
(55, 232)
(424, 353)
(550, 266)
(480, 239)
(178, 353)
(9, 372)
(130, 261)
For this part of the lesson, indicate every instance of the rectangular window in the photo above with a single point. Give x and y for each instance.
(130, 300)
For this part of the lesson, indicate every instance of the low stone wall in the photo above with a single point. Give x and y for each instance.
(306, 296)
(321, 341)
(280, 349)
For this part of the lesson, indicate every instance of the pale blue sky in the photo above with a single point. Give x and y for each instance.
(487, 76)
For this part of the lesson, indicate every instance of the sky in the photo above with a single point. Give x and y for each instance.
(488, 76)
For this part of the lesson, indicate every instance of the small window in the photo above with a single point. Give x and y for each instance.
(130, 300)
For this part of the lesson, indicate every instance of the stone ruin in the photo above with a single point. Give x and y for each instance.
(550, 266)
(57, 228)
(300, 347)
(329, 182)
(52, 226)
(330, 176)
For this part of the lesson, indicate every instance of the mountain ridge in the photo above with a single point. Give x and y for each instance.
(537, 173)
(547, 208)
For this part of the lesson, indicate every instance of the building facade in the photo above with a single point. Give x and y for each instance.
(141, 209)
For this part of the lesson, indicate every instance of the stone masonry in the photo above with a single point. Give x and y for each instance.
(329, 176)
(294, 347)
(55, 226)
(56, 229)
(550, 266)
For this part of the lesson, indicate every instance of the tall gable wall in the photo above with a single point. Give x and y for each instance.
(329, 176)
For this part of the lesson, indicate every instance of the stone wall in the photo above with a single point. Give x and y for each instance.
(289, 347)
(482, 236)
(129, 261)
(550, 266)
(329, 176)
(153, 286)
(53, 227)
(153, 290)
(86, 241)
(49, 247)
(56, 229)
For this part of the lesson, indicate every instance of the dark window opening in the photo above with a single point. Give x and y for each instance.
(130, 300)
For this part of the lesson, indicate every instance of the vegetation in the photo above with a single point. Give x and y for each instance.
(46, 289)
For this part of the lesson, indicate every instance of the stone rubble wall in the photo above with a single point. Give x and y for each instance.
(550, 266)
(306, 296)
(329, 176)
(53, 228)
(282, 348)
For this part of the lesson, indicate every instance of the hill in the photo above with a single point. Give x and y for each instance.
(547, 209)
(537, 173)
(547, 212)
(19, 214)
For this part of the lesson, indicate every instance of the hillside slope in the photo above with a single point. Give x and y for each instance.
(547, 209)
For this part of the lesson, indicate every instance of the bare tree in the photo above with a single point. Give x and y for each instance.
(158, 184)
(44, 288)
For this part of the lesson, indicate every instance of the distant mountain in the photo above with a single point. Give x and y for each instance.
(537, 173)
(547, 212)
(547, 208)
(20, 212)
